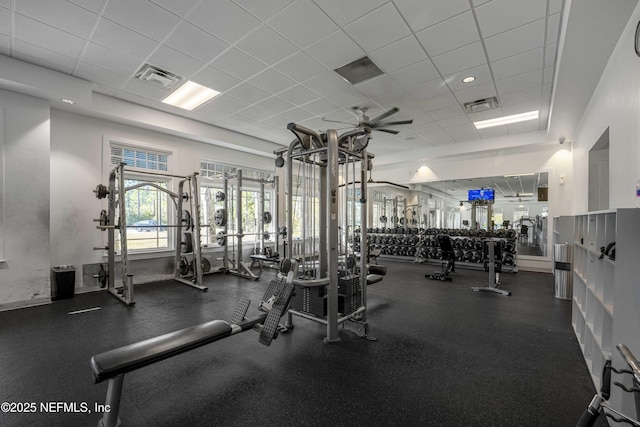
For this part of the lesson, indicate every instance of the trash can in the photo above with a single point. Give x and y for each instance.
(563, 276)
(63, 282)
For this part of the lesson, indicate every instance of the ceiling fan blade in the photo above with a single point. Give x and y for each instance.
(394, 132)
(385, 115)
(399, 122)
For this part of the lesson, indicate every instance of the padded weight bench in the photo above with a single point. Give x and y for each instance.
(376, 273)
(113, 364)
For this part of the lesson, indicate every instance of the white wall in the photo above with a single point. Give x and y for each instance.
(77, 167)
(615, 104)
(24, 276)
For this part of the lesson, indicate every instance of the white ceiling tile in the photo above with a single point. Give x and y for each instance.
(266, 45)
(522, 127)
(437, 102)
(215, 79)
(477, 3)
(335, 50)
(255, 112)
(378, 86)
(501, 15)
(179, 7)
(264, 10)
(303, 23)
(238, 64)
(5, 45)
(297, 114)
(493, 132)
(272, 81)
(449, 35)
(378, 28)
(228, 103)
(463, 133)
(422, 14)
(248, 92)
(415, 74)
(437, 137)
(347, 11)
(520, 82)
(428, 89)
(520, 96)
(223, 19)
(278, 122)
(481, 73)
(453, 122)
(475, 93)
(275, 104)
(425, 126)
(512, 42)
(400, 54)
(517, 64)
(110, 59)
(349, 97)
(555, 6)
(131, 96)
(326, 83)
(550, 54)
(105, 90)
(546, 93)
(142, 16)
(92, 5)
(43, 57)
(300, 67)
(446, 113)
(298, 95)
(197, 43)
(47, 37)
(177, 62)
(116, 37)
(553, 28)
(59, 14)
(547, 74)
(5, 21)
(460, 59)
(345, 115)
(145, 90)
(99, 75)
(526, 106)
(210, 111)
(320, 106)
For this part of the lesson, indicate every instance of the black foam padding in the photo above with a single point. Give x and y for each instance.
(373, 278)
(380, 270)
(138, 355)
(241, 310)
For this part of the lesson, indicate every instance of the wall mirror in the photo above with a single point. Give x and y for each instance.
(520, 202)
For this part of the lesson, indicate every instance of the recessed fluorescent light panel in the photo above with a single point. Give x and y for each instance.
(190, 96)
(531, 115)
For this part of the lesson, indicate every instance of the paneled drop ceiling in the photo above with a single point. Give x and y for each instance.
(273, 60)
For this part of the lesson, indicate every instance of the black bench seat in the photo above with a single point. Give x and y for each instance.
(135, 356)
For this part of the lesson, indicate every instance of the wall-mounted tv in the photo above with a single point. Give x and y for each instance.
(481, 194)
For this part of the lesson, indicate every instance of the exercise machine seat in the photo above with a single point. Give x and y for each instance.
(134, 356)
(373, 278)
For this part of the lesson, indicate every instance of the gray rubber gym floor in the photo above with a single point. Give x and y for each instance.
(444, 356)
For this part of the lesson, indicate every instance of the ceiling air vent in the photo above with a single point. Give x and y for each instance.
(359, 70)
(157, 76)
(481, 105)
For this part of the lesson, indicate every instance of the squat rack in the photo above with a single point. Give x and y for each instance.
(324, 160)
(117, 210)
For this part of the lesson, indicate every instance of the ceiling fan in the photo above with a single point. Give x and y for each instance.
(376, 123)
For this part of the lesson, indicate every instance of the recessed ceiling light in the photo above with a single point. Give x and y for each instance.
(531, 115)
(468, 79)
(190, 96)
(68, 101)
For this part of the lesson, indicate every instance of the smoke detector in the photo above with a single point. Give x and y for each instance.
(481, 105)
(157, 76)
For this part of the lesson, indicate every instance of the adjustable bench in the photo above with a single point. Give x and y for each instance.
(113, 364)
(376, 273)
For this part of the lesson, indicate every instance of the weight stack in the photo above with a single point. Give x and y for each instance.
(347, 304)
(310, 300)
(348, 286)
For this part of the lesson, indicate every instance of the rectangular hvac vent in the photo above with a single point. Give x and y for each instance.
(359, 70)
(157, 76)
(481, 105)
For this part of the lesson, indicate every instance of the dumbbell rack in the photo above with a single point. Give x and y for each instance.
(406, 243)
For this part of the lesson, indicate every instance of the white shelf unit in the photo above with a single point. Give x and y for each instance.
(606, 293)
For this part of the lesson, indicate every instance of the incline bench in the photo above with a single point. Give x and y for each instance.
(113, 364)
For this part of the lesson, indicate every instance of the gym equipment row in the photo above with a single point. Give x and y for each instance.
(326, 214)
(188, 255)
(114, 364)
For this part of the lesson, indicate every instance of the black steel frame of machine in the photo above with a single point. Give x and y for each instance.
(236, 265)
(327, 260)
(117, 210)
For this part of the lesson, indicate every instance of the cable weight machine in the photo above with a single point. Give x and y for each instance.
(187, 228)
